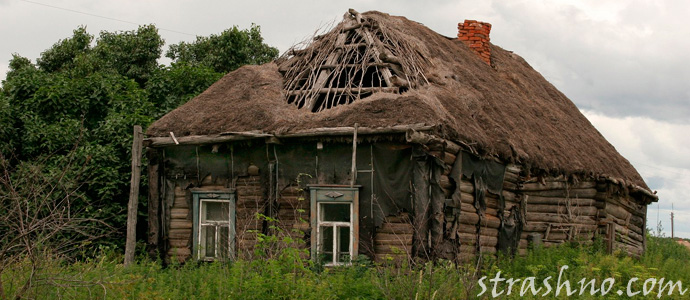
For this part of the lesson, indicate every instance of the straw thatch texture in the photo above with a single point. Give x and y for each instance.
(507, 109)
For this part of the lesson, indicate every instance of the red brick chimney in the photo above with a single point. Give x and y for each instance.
(476, 35)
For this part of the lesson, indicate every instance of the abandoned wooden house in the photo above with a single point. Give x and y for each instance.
(383, 138)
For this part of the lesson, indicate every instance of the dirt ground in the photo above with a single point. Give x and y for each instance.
(684, 243)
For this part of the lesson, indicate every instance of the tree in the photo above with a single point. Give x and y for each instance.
(225, 52)
(89, 92)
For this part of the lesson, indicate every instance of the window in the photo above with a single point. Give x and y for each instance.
(214, 225)
(335, 223)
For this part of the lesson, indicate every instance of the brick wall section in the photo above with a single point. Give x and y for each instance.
(476, 35)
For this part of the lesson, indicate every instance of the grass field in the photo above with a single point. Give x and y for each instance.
(286, 276)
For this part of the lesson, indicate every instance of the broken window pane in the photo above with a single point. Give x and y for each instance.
(326, 241)
(343, 244)
(335, 212)
(215, 211)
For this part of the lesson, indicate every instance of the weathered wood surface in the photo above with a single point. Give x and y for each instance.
(153, 205)
(130, 243)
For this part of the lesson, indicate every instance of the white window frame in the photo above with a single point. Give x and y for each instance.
(335, 225)
(217, 225)
(218, 196)
(334, 194)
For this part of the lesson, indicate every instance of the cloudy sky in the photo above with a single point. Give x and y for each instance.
(625, 64)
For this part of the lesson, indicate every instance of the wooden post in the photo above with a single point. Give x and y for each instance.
(153, 203)
(673, 236)
(131, 242)
(611, 237)
(353, 171)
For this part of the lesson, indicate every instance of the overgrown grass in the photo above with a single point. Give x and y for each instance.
(288, 277)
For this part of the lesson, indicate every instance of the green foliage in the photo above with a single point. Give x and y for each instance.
(225, 52)
(172, 86)
(277, 278)
(133, 54)
(64, 53)
(81, 99)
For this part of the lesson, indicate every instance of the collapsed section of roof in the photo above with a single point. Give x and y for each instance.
(382, 71)
(359, 57)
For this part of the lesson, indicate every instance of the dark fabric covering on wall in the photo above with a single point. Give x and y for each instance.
(487, 176)
(392, 177)
(420, 183)
(509, 233)
(384, 192)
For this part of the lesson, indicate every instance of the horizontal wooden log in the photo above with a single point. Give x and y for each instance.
(180, 234)
(515, 169)
(179, 192)
(557, 185)
(180, 224)
(509, 196)
(466, 187)
(510, 186)
(180, 252)
(398, 243)
(628, 232)
(393, 237)
(449, 158)
(572, 193)
(293, 191)
(484, 240)
(466, 207)
(250, 203)
(241, 136)
(446, 183)
(395, 228)
(563, 209)
(473, 230)
(541, 227)
(180, 202)
(387, 249)
(558, 218)
(179, 243)
(511, 177)
(561, 201)
(473, 219)
(624, 223)
(179, 213)
(400, 218)
(392, 258)
(247, 191)
(466, 197)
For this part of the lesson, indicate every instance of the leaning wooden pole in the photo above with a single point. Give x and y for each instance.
(353, 171)
(131, 243)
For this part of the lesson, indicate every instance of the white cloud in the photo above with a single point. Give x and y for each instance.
(659, 151)
(626, 63)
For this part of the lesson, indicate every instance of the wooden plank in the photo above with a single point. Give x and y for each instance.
(130, 243)
(558, 218)
(557, 185)
(322, 78)
(315, 132)
(153, 203)
(588, 193)
(563, 209)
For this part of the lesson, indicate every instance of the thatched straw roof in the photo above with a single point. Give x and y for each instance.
(506, 110)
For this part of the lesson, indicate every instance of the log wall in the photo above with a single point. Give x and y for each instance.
(393, 240)
(249, 201)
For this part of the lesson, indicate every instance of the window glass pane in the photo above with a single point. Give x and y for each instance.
(208, 241)
(326, 242)
(335, 212)
(224, 241)
(215, 211)
(344, 244)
